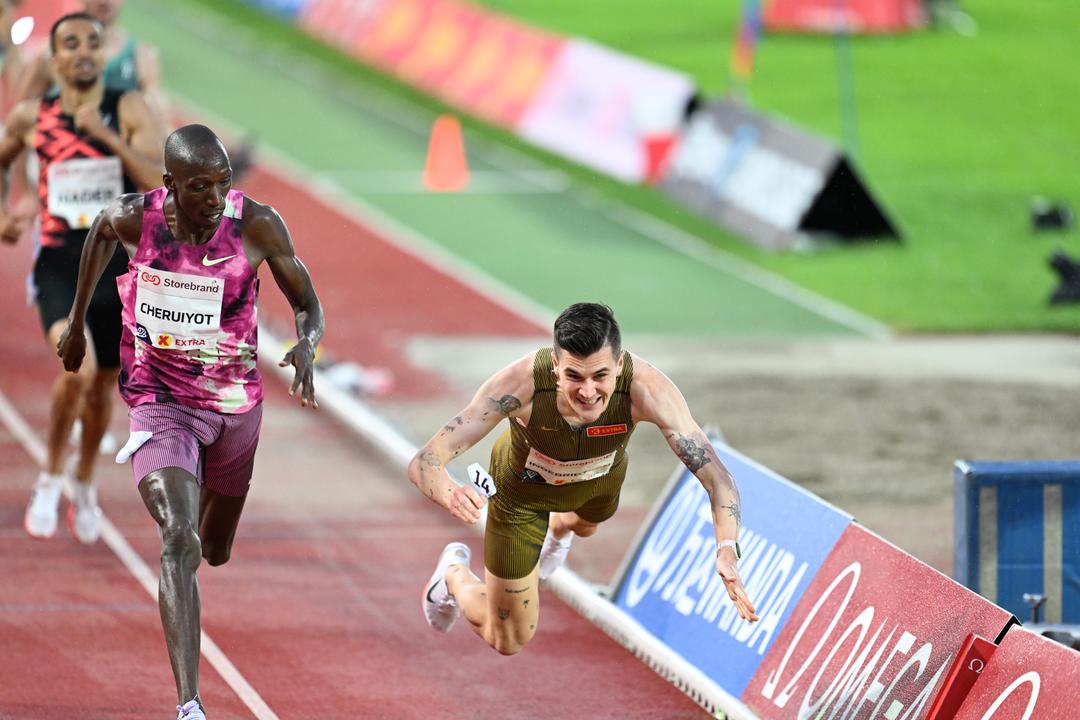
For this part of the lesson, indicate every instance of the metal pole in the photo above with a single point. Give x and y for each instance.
(845, 79)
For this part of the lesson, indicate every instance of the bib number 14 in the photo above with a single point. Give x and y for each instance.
(480, 479)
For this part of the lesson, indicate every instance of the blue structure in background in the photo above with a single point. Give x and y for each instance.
(669, 583)
(287, 9)
(1017, 531)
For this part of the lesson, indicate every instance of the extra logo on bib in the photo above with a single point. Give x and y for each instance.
(79, 189)
(178, 311)
(558, 472)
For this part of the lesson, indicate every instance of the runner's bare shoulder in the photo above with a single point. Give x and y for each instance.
(125, 215)
(264, 230)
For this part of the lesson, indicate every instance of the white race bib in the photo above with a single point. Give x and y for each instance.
(80, 189)
(178, 311)
(557, 472)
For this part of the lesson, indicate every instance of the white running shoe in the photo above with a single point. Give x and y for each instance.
(40, 519)
(440, 607)
(190, 711)
(84, 515)
(553, 553)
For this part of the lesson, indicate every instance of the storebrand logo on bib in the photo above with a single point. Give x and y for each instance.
(179, 311)
(141, 333)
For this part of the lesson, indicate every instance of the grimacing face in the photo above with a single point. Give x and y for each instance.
(200, 190)
(79, 56)
(586, 384)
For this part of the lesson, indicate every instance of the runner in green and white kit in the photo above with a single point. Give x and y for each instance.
(558, 470)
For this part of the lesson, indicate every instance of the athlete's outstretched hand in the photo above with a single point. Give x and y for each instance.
(72, 348)
(302, 357)
(727, 568)
(466, 503)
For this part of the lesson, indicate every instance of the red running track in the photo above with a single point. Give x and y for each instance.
(319, 607)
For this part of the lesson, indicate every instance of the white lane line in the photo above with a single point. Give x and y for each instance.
(116, 542)
(401, 112)
(694, 247)
(481, 182)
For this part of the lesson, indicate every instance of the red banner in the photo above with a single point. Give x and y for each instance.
(474, 59)
(873, 636)
(339, 22)
(857, 16)
(1029, 677)
(966, 669)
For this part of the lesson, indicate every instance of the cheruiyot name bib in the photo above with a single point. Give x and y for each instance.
(80, 189)
(177, 311)
(559, 472)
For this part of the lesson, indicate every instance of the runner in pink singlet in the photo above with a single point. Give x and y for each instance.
(188, 354)
(196, 299)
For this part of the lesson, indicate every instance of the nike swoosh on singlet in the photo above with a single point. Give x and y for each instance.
(208, 262)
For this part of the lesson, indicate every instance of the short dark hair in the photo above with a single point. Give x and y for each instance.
(585, 328)
(70, 16)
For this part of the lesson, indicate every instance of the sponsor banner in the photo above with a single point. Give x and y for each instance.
(768, 180)
(601, 108)
(1029, 676)
(477, 60)
(966, 669)
(857, 16)
(342, 23)
(755, 176)
(873, 636)
(670, 585)
(285, 8)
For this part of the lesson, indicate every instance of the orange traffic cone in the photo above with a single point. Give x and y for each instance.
(446, 169)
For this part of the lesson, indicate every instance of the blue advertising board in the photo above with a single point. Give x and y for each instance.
(670, 585)
(288, 9)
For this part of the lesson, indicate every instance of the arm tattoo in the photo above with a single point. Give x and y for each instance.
(518, 592)
(733, 510)
(431, 459)
(506, 404)
(503, 614)
(454, 424)
(692, 455)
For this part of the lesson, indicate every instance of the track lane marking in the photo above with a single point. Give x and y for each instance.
(10, 417)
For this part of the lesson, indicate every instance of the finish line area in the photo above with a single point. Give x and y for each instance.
(317, 614)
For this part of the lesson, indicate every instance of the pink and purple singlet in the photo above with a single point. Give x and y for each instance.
(190, 329)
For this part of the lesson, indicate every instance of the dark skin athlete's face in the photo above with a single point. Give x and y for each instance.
(78, 56)
(200, 189)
